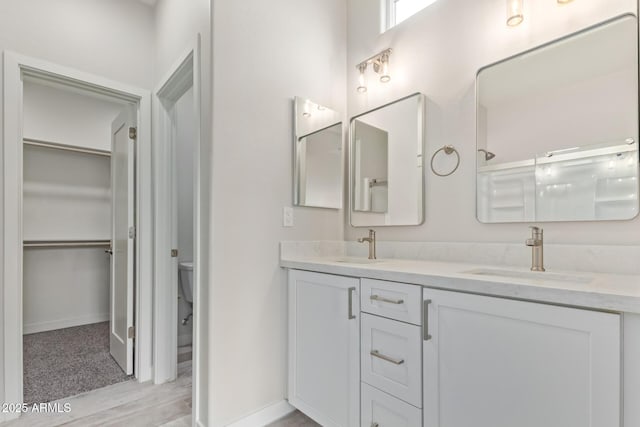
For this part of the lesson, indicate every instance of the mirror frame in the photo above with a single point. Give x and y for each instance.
(422, 120)
(295, 155)
(528, 51)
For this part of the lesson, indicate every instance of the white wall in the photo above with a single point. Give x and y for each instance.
(438, 52)
(56, 115)
(109, 38)
(265, 53)
(64, 288)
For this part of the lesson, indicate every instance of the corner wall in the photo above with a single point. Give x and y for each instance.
(265, 53)
(438, 52)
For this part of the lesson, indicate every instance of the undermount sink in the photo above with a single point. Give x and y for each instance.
(354, 260)
(530, 275)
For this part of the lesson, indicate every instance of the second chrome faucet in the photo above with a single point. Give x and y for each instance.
(372, 243)
(536, 242)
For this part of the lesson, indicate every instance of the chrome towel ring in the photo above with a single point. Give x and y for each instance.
(448, 150)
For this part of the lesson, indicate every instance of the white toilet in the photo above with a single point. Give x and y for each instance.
(185, 278)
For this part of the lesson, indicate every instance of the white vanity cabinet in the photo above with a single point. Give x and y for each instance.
(370, 352)
(493, 362)
(324, 347)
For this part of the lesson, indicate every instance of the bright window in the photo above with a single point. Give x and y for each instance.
(399, 10)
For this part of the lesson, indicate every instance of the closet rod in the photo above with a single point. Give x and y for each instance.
(64, 147)
(66, 243)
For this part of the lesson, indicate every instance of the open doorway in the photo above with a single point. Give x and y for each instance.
(177, 220)
(77, 208)
(76, 194)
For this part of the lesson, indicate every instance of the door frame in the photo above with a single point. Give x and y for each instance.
(183, 75)
(15, 68)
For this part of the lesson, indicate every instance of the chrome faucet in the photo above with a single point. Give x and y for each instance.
(372, 243)
(537, 249)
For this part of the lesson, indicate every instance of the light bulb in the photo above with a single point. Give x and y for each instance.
(305, 111)
(362, 83)
(515, 14)
(384, 73)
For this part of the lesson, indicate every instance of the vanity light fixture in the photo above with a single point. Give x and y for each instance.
(380, 64)
(515, 13)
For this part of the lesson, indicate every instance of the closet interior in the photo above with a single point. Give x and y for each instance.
(67, 221)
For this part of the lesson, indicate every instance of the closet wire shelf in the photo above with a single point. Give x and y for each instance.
(67, 243)
(64, 147)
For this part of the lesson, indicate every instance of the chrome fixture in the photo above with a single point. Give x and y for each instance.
(564, 1)
(515, 14)
(536, 242)
(372, 243)
(448, 150)
(66, 243)
(380, 64)
(488, 155)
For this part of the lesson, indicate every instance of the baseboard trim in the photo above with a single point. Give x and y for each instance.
(32, 328)
(266, 415)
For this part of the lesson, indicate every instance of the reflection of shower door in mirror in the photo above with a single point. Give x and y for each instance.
(122, 239)
(557, 129)
(371, 163)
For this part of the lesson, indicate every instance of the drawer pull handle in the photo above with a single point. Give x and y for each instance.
(374, 424)
(383, 299)
(351, 291)
(425, 320)
(376, 353)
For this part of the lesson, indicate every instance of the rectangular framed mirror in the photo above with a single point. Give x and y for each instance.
(557, 129)
(386, 164)
(317, 153)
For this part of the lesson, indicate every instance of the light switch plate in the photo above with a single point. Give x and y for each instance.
(287, 216)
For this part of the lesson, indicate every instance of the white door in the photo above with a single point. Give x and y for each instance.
(324, 347)
(493, 362)
(122, 239)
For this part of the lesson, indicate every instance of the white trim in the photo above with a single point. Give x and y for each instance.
(52, 325)
(166, 267)
(184, 74)
(266, 415)
(15, 67)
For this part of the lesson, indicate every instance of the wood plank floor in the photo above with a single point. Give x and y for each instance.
(295, 419)
(128, 404)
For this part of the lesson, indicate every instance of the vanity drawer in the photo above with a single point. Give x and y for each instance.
(391, 357)
(383, 410)
(398, 301)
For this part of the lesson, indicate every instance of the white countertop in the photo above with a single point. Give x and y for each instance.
(615, 292)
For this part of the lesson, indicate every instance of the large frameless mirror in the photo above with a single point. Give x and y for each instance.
(386, 164)
(557, 129)
(317, 156)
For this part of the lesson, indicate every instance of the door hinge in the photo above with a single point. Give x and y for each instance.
(131, 333)
(132, 232)
(174, 253)
(133, 133)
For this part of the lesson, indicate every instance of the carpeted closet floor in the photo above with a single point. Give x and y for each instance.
(69, 361)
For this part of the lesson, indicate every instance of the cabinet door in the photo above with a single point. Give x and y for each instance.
(492, 362)
(391, 357)
(324, 347)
